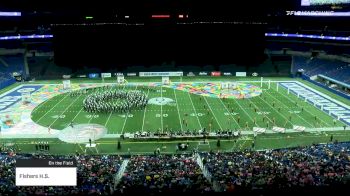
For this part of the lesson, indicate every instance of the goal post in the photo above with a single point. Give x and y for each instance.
(224, 85)
(228, 85)
(165, 80)
(120, 79)
(26, 97)
(66, 84)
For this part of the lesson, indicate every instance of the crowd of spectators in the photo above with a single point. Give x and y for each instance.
(95, 174)
(314, 167)
(162, 174)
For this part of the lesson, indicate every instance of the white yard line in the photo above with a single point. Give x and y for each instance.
(40, 104)
(199, 122)
(213, 114)
(178, 112)
(126, 116)
(65, 110)
(276, 110)
(239, 105)
(110, 114)
(144, 113)
(52, 108)
(244, 110)
(260, 110)
(92, 116)
(77, 114)
(304, 110)
(288, 107)
(229, 112)
(242, 144)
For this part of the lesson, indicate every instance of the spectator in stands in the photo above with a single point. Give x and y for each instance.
(164, 173)
(283, 169)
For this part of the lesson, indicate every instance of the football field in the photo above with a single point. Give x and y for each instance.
(181, 110)
(185, 106)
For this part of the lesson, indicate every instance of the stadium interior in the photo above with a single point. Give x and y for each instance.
(164, 96)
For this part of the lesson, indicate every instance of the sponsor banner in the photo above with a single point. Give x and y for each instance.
(203, 73)
(66, 84)
(94, 75)
(298, 128)
(106, 75)
(81, 76)
(190, 74)
(131, 74)
(227, 74)
(66, 76)
(241, 74)
(119, 74)
(255, 74)
(153, 74)
(215, 73)
(10, 98)
(259, 130)
(331, 106)
(279, 129)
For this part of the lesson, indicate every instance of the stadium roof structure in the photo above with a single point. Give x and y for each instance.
(273, 12)
(110, 9)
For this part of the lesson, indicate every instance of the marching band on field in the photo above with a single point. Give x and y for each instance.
(112, 99)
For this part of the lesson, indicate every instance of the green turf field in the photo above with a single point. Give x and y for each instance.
(201, 111)
(272, 108)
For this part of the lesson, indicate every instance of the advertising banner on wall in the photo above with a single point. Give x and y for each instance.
(131, 74)
(215, 73)
(154, 74)
(190, 73)
(106, 75)
(81, 76)
(241, 74)
(203, 73)
(66, 76)
(227, 74)
(94, 75)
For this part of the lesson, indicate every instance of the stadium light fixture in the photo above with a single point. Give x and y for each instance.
(160, 16)
(307, 36)
(11, 14)
(25, 37)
